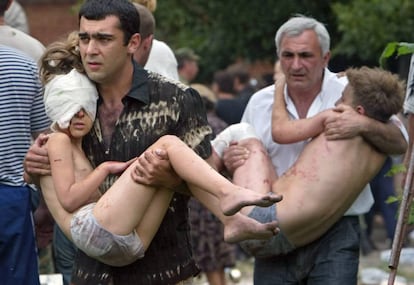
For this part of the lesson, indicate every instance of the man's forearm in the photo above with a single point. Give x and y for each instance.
(386, 137)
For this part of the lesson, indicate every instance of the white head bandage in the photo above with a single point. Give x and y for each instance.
(67, 94)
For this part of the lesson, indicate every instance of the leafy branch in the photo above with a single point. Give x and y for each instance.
(395, 49)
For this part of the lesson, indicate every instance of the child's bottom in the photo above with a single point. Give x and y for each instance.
(276, 245)
(98, 243)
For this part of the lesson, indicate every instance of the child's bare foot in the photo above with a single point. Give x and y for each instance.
(233, 201)
(240, 227)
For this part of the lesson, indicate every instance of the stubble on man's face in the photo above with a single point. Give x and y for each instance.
(302, 61)
(102, 48)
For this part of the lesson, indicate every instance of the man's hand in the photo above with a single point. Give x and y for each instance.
(154, 169)
(234, 156)
(36, 161)
(385, 137)
(345, 123)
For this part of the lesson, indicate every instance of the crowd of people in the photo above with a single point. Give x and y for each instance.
(117, 159)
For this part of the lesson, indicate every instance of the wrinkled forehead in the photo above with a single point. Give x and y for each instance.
(110, 24)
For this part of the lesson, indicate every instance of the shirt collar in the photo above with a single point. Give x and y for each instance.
(139, 89)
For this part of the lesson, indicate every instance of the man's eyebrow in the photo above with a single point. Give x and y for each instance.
(83, 34)
(96, 35)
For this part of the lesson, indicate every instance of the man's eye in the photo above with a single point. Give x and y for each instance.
(84, 40)
(306, 55)
(104, 39)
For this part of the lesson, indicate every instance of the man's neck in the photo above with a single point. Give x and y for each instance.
(303, 99)
(113, 91)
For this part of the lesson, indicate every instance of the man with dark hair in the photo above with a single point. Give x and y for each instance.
(136, 107)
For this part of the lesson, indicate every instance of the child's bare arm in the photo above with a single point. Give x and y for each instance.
(75, 184)
(285, 130)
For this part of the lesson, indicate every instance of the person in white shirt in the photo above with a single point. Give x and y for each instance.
(162, 60)
(17, 39)
(302, 45)
(154, 55)
(371, 92)
(16, 17)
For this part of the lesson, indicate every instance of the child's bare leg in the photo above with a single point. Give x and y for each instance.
(194, 170)
(237, 227)
(124, 205)
(257, 172)
(153, 216)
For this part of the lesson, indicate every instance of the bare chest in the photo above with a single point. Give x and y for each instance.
(108, 117)
(82, 166)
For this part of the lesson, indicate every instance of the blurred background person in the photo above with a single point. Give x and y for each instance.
(23, 119)
(382, 187)
(15, 38)
(187, 64)
(228, 108)
(16, 17)
(154, 55)
(243, 84)
(212, 254)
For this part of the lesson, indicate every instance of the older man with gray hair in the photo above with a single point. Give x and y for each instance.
(303, 47)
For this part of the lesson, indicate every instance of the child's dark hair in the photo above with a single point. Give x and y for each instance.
(61, 57)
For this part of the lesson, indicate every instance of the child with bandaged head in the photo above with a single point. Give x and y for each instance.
(117, 227)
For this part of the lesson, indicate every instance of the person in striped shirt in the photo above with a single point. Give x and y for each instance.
(22, 119)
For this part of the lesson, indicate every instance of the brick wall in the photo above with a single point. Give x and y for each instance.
(49, 22)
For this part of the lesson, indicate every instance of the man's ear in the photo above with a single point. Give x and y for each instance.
(360, 110)
(134, 43)
(326, 58)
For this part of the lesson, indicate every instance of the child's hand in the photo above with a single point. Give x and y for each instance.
(115, 167)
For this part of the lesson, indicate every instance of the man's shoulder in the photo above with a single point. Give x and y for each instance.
(13, 53)
(162, 82)
(334, 80)
(17, 39)
(262, 97)
(259, 107)
(16, 61)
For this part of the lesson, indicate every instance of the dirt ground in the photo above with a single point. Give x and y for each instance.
(371, 260)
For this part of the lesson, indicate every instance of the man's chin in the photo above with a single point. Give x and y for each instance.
(94, 76)
(298, 83)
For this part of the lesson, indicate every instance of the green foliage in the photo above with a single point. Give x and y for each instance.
(395, 169)
(395, 49)
(411, 216)
(397, 199)
(368, 25)
(224, 31)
